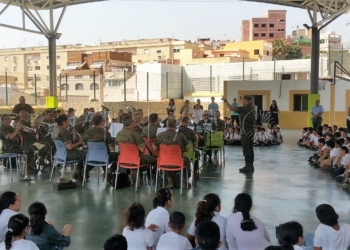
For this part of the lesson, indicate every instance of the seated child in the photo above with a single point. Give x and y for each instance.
(263, 139)
(237, 137)
(116, 242)
(207, 236)
(321, 145)
(326, 164)
(174, 238)
(229, 136)
(335, 128)
(304, 134)
(329, 234)
(342, 161)
(256, 136)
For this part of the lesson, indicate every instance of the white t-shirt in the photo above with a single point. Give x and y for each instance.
(334, 153)
(296, 247)
(173, 241)
(330, 239)
(230, 136)
(237, 136)
(20, 245)
(159, 217)
(170, 107)
(4, 220)
(197, 114)
(345, 160)
(138, 238)
(257, 239)
(221, 222)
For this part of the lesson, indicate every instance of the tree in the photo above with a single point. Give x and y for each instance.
(280, 48)
(294, 52)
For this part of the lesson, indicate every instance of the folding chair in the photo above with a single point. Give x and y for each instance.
(170, 159)
(129, 158)
(216, 144)
(8, 157)
(61, 158)
(190, 154)
(97, 156)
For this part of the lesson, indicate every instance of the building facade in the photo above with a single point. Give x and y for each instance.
(269, 27)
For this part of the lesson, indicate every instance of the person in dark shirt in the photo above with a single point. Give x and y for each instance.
(22, 106)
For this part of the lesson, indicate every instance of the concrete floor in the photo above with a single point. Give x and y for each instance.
(284, 187)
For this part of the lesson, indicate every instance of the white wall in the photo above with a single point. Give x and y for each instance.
(279, 91)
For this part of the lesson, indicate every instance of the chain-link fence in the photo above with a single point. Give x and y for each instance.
(154, 82)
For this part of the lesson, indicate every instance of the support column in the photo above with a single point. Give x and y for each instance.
(52, 100)
(315, 56)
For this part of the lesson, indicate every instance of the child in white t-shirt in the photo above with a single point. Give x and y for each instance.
(237, 137)
(17, 231)
(135, 232)
(329, 234)
(173, 239)
(10, 204)
(328, 163)
(229, 136)
(256, 136)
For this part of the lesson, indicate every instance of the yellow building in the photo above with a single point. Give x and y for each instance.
(258, 50)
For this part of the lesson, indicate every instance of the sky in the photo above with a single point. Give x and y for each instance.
(118, 20)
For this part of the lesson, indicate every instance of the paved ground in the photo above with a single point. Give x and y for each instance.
(284, 187)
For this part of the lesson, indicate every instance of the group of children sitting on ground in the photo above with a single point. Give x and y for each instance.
(159, 230)
(264, 135)
(332, 145)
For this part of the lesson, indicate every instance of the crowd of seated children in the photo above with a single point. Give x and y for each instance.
(267, 135)
(233, 136)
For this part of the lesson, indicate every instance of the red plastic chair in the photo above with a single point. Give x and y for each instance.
(149, 149)
(170, 159)
(129, 158)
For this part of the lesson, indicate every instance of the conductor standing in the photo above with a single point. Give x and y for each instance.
(247, 120)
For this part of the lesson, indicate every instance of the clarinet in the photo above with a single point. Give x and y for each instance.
(149, 150)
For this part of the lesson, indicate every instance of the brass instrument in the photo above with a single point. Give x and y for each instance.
(25, 128)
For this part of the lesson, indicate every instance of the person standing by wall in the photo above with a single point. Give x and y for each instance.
(274, 110)
(316, 112)
(247, 118)
(235, 115)
(348, 120)
(212, 107)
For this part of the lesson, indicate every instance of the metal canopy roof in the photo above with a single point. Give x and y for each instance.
(45, 4)
(323, 6)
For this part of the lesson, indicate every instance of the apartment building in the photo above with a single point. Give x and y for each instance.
(329, 40)
(256, 50)
(269, 27)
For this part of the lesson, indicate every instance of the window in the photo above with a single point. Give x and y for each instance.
(300, 102)
(256, 34)
(14, 68)
(159, 51)
(256, 52)
(267, 53)
(38, 78)
(65, 87)
(256, 25)
(37, 67)
(78, 77)
(159, 57)
(271, 35)
(176, 50)
(322, 41)
(30, 68)
(47, 57)
(79, 86)
(30, 79)
(96, 86)
(145, 51)
(281, 20)
(221, 55)
(6, 58)
(16, 79)
(263, 25)
(263, 34)
(271, 25)
(6, 69)
(58, 67)
(47, 67)
(58, 57)
(15, 58)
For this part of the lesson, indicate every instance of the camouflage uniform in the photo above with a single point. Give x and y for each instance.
(129, 136)
(191, 136)
(219, 125)
(79, 127)
(171, 137)
(14, 145)
(96, 134)
(247, 118)
(150, 131)
(64, 135)
(26, 107)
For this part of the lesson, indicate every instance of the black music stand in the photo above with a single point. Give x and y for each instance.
(209, 132)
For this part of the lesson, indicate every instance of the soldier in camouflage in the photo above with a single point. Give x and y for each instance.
(129, 136)
(73, 153)
(191, 136)
(22, 105)
(171, 137)
(150, 131)
(98, 133)
(247, 119)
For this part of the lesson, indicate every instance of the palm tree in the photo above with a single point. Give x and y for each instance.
(280, 48)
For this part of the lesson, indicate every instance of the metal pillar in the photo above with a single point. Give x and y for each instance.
(124, 86)
(52, 63)
(35, 91)
(94, 86)
(147, 86)
(315, 55)
(7, 95)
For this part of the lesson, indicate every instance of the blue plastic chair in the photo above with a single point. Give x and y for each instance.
(8, 157)
(61, 157)
(97, 156)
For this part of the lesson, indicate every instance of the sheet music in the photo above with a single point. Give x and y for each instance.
(115, 128)
(52, 128)
(160, 130)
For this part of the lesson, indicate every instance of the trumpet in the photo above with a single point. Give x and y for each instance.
(25, 128)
